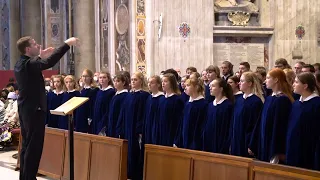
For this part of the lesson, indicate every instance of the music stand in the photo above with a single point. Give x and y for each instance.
(67, 109)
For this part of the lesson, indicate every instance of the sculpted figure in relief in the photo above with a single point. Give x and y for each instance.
(235, 5)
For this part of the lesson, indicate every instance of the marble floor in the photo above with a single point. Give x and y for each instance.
(7, 166)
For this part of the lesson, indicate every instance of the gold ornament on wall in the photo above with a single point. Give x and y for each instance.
(239, 18)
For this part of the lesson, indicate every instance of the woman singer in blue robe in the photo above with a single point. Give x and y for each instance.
(303, 129)
(84, 114)
(70, 83)
(151, 134)
(121, 84)
(216, 135)
(269, 136)
(103, 99)
(130, 124)
(193, 116)
(170, 111)
(247, 112)
(213, 72)
(54, 100)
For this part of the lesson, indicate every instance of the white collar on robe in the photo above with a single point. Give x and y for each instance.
(245, 97)
(61, 92)
(109, 87)
(158, 94)
(169, 95)
(71, 91)
(313, 95)
(86, 87)
(133, 90)
(122, 91)
(276, 93)
(239, 92)
(198, 98)
(215, 103)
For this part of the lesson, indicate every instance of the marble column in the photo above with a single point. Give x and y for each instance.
(14, 24)
(84, 28)
(31, 19)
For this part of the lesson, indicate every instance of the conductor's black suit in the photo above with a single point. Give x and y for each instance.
(32, 108)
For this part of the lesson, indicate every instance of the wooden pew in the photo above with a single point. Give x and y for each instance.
(96, 157)
(267, 171)
(53, 153)
(175, 163)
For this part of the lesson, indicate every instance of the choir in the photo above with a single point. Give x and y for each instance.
(271, 116)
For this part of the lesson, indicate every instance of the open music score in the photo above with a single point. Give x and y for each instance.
(68, 107)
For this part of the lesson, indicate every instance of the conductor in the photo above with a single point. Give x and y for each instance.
(32, 102)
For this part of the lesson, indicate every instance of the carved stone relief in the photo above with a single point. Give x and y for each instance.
(104, 30)
(122, 20)
(5, 45)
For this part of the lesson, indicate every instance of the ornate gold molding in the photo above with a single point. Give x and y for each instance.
(239, 18)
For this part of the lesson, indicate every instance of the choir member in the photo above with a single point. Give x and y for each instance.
(190, 70)
(216, 135)
(317, 75)
(170, 111)
(234, 81)
(304, 122)
(204, 77)
(226, 70)
(290, 75)
(130, 123)
(184, 96)
(193, 116)
(102, 103)
(213, 72)
(151, 133)
(247, 111)
(54, 100)
(261, 72)
(121, 84)
(269, 136)
(84, 113)
(72, 91)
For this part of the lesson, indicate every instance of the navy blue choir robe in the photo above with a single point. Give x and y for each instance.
(296, 96)
(130, 126)
(246, 114)
(151, 133)
(194, 115)
(184, 97)
(114, 111)
(303, 133)
(101, 109)
(53, 101)
(238, 95)
(269, 136)
(169, 116)
(266, 92)
(208, 96)
(85, 111)
(216, 135)
(63, 120)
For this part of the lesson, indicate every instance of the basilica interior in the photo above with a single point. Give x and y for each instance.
(170, 43)
(151, 36)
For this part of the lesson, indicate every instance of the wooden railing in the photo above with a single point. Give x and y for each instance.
(96, 157)
(167, 163)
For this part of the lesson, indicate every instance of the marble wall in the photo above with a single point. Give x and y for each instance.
(288, 14)
(172, 50)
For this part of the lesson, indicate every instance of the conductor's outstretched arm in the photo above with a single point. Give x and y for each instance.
(50, 56)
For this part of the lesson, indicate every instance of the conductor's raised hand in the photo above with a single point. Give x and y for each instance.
(72, 41)
(46, 52)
